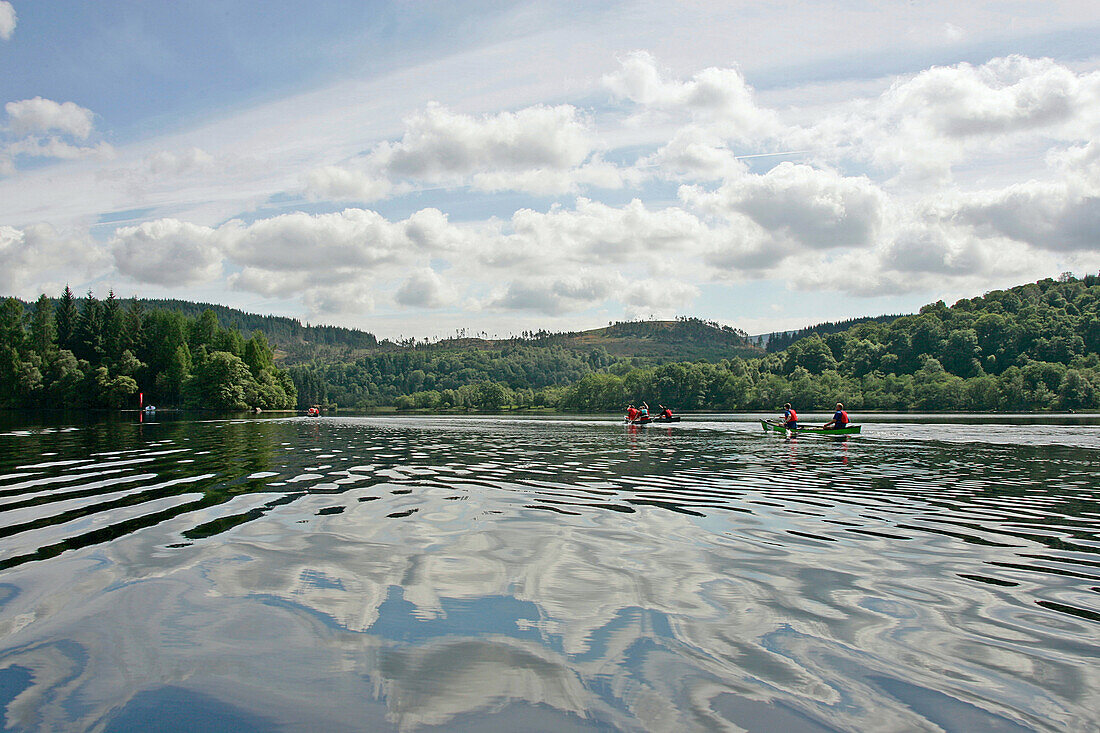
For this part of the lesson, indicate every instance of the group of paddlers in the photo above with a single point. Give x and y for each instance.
(642, 412)
(790, 415)
(840, 418)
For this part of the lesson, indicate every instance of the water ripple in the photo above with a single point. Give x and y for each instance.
(472, 572)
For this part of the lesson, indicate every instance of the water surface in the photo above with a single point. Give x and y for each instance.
(549, 574)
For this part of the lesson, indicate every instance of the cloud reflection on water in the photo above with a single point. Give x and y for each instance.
(763, 609)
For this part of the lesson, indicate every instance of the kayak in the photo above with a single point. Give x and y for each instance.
(776, 427)
(651, 419)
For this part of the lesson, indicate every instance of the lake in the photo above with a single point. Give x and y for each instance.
(499, 573)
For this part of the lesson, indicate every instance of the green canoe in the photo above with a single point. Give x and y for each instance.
(776, 427)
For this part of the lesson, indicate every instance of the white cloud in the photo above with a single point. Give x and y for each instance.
(350, 298)
(38, 115)
(353, 238)
(425, 289)
(1046, 216)
(556, 296)
(809, 207)
(924, 126)
(953, 33)
(7, 20)
(332, 182)
(541, 150)
(39, 127)
(722, 95)
(185, 162)
(696, 152)
(661, 297)
(439, 144)
(595, 233)
(167, 252)
(53, 147)
(32, 255)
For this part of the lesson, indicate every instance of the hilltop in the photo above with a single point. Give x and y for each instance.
(683, 339)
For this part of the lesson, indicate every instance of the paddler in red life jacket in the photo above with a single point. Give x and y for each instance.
(644, 410)
(840, 418)
(666, 413)
(631, 412)
(790, 417)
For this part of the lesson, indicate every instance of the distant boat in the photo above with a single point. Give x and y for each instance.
(150, 408)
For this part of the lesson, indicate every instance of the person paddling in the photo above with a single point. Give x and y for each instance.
(631, 412)
(840, 418)
(790, 417)
(665, 412)
(644, 410)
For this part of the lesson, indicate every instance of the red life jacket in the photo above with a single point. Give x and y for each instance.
(631, 413)
(844, 417)
(793, 417)
(667, 412)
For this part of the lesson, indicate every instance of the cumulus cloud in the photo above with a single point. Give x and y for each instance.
(1044, 215)
(923, 126)
(332, 182)
(595, 233)
(696, 152)
(353, 238)
(809, 207)
(38, 115)
(556, 296)
(425, 289)
(656, 297)
(42, 128)
(7, 20)
(35, 253)
(541, 150)
(722, 94)
(351, 298)
(167, 252)
(439, 143)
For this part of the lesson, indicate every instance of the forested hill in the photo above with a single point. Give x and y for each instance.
(683, 339)
(1035, 346)
(286, 333)
(777, 341)
(1031, 347)
(280, 330)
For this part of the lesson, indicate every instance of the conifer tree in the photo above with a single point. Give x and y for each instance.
(88, 343)
(43, 334)
(67, 316)
(112, 327)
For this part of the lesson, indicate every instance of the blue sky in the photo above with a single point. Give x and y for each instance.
(414, 168)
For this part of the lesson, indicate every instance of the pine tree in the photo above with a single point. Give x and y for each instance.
(88, 341)
(43, 334)
(133, 331)
(12, 333)
(112, 327)
(67, 317)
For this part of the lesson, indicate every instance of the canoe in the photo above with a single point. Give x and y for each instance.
(776, 427)
(651, 419)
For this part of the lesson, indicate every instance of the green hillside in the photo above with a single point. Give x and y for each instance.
(777, 341)
(285, 332)
(1031, 347)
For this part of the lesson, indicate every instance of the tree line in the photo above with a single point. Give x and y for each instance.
(87, 353)
(1032, 347)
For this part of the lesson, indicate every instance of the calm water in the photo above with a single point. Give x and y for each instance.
(549, 574)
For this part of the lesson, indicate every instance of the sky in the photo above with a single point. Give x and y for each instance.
(416, 168)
